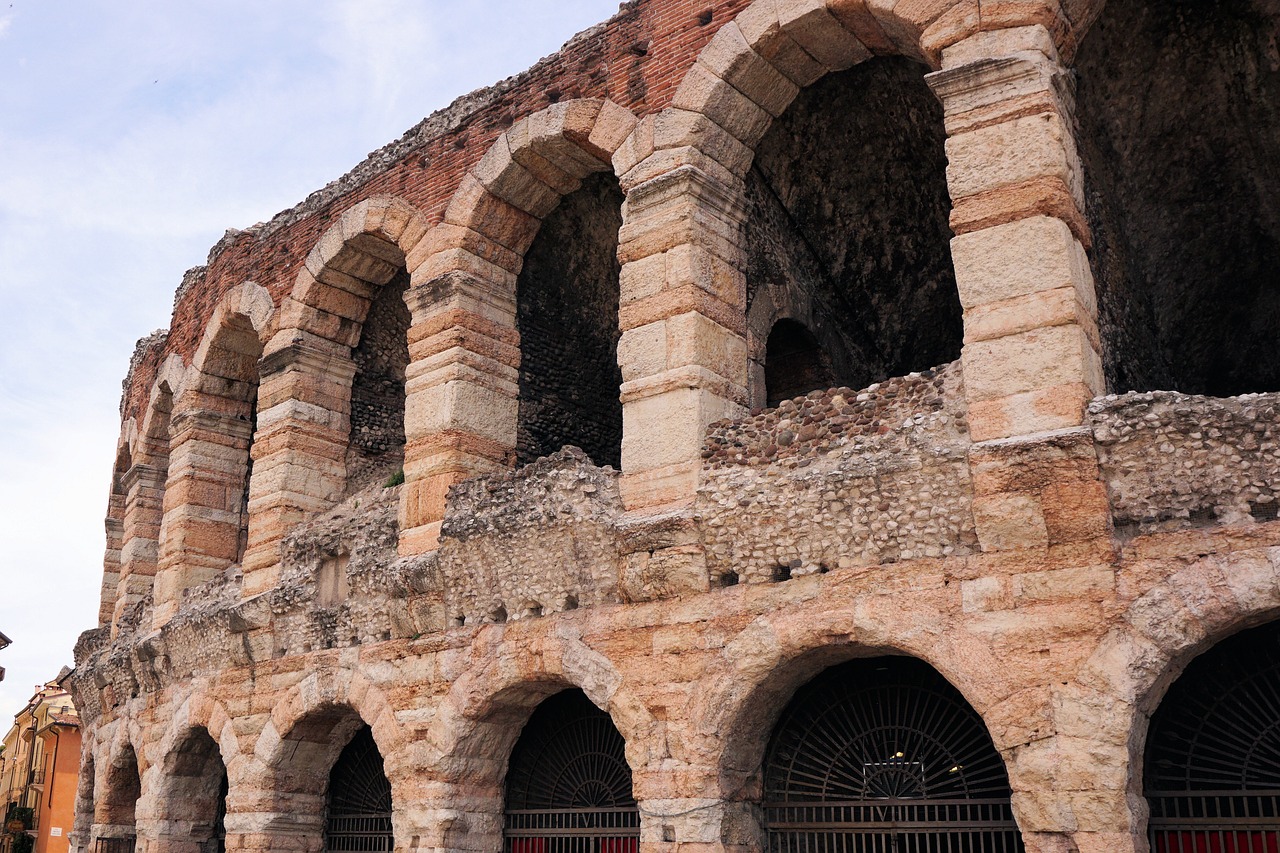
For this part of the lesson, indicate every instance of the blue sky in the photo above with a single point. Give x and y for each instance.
(132, 135)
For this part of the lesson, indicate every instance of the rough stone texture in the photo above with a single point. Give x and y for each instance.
(1179, 119)
(567, 314)
(1175, 460)
(538, 540)
(965, 523)
(377, 391)
(840, 478)
(848, 208)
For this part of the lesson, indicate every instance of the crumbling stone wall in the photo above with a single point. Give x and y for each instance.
(1180, 137)
(568, 323)
(840, 478)
(848, 205)
(377, 391)
(539, 540)
(1176, 460)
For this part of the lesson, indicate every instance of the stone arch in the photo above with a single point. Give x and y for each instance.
(1197, 604)
(189, 794)
(464, 386)
(211, 430)
(118, 788)
(298, 747)
(143, 487)
(310, 365)
(481, 718)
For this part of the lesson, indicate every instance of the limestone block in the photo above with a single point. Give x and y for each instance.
(667, 428)
(763, 32)
(462, 406)
(1008, 41)
(676, 128)
(812, 26)
(702, 91)
(730, 57)
(513, 183)
(1041, 358)
(1060, 307)
(643, 351)
(693, 339)
(613, 125)
(1010, 521)
(1055, 408)
(1010, 153)
(1029, 255)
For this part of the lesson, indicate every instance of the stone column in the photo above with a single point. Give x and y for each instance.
(143, 512)
(299, 452)
(1031, 344)
(114, 524)
(461, 390)
(1031, 340)
(208, 464)
(683, 349)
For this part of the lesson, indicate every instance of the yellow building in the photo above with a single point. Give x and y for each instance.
(39, 766)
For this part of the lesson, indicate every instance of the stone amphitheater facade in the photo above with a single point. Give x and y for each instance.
(736, 343)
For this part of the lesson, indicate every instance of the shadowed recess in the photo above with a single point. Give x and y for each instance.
(1179, 107)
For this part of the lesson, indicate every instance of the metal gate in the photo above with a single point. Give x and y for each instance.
(1213, 752)
(358, 818)
(569, 785)
(883, 755)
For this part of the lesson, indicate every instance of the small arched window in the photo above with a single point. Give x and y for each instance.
(794, 363)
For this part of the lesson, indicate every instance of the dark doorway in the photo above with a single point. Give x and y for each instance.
(358, 808)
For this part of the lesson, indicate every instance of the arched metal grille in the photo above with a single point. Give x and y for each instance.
(884, 755)
(1213, 752)
(358, 818)
(569, 785)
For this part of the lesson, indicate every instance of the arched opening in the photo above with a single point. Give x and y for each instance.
(116, 812)
(884, 754)
(568, 787)
(1180, 137)
(193, 800)
(1211, 773)
(794, 363)
(567, 317)
(847, 229)
(333, 790)
(358, 804)
(376, 449)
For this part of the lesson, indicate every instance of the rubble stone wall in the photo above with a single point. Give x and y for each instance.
(840, 478)
(1176, 460)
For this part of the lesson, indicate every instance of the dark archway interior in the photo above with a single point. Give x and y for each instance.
(794, 363)
(1179, 109)
(124, 788)
(358, 806)
(195, 792)
(848, 210)
(377, 390)
(569, 756)
(1214, 738)
(862, 748)
(567, 315)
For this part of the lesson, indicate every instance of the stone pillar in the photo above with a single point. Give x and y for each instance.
(208, 464)
(114, 524)
(143, 512)
(299, 452)
(683, 350)
(461, 388)
(1031, 343)
(1031, 346)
